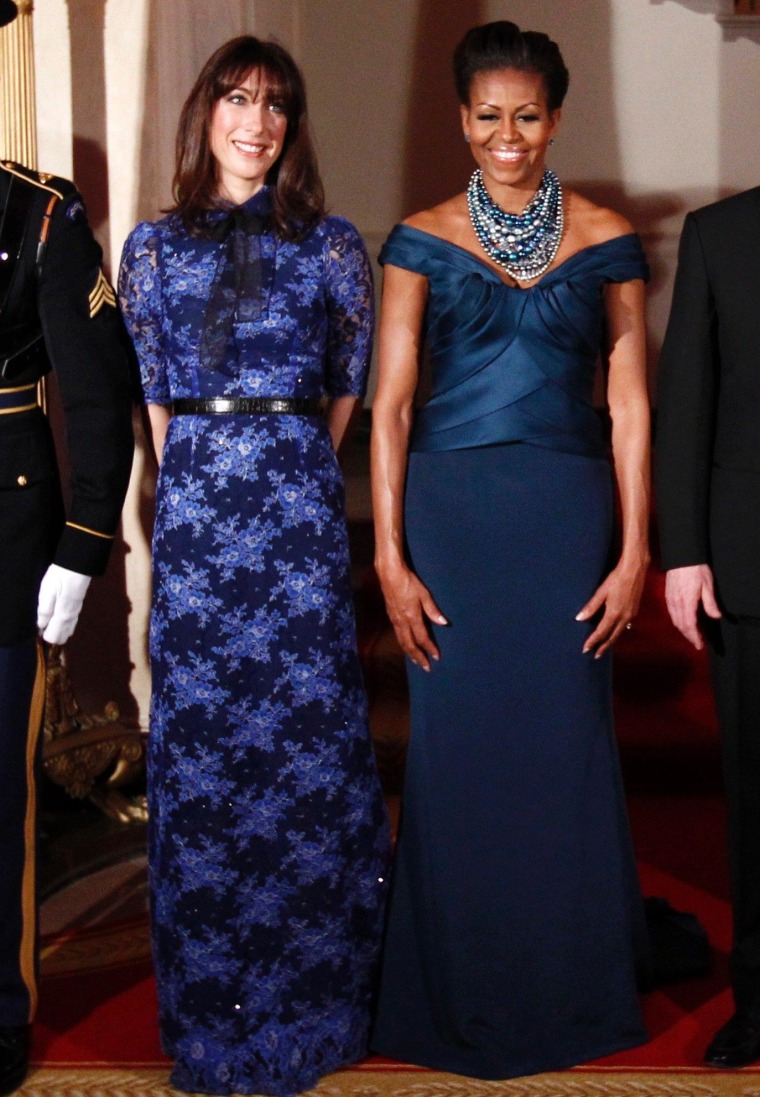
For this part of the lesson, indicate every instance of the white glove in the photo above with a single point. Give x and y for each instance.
(60, 602)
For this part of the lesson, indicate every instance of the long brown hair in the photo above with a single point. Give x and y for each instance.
(297, 192)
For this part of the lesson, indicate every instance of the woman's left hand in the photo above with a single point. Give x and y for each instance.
(620, 595)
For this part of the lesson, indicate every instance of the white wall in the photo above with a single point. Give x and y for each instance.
(122, 128)
(662, 115)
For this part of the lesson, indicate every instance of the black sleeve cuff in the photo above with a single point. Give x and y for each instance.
(83, 550)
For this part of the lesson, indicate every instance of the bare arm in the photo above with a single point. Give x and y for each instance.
(407, 599)
(158, 421)
(341, 416)
(620, 593)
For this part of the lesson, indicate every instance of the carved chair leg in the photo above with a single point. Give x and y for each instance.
(89, 755)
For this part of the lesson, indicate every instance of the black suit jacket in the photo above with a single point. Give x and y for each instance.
(708, 433)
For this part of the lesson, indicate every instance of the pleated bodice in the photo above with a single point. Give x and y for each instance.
(511, 364)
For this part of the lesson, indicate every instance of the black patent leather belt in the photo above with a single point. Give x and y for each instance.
(246, 405)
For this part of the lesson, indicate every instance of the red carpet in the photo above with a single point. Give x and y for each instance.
(98, 1000)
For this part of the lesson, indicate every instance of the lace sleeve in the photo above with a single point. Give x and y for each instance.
(350, 310)
(140, 299)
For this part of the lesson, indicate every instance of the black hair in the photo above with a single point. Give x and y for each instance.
(502, 45)
(8, 12)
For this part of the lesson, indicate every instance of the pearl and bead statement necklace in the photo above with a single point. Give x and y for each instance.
(524, 244)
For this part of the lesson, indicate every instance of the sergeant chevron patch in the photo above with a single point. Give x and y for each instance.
(101, 294)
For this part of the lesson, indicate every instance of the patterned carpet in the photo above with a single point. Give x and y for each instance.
(381, 1082)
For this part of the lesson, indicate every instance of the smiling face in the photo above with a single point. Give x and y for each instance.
(509, 124)
(246, 136)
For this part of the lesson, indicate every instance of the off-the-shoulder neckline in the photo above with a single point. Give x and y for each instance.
(485, 266)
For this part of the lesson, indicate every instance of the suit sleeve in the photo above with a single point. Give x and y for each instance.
(687, 394)
(85, 343)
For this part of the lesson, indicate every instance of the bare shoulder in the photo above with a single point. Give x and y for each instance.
(590, 223)
(447, 220)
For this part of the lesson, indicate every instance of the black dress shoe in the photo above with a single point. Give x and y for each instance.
(737, 1043)
(14, 1057)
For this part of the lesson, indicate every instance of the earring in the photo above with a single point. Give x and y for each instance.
(551, 140)
(467, 138)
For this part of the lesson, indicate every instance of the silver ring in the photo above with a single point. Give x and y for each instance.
(629, 625)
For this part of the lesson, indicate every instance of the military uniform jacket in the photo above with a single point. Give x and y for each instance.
(51, 283)
(708, 434)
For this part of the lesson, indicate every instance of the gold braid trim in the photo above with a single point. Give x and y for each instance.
(30, 177)
(28, 885)
(100, 295)
(94, 532)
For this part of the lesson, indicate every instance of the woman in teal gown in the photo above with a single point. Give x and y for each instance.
(515, 915)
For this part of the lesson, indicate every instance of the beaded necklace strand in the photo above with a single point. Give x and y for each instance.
(524, 244)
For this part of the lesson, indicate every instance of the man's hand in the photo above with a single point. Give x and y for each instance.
(60, 602)
(686, 589)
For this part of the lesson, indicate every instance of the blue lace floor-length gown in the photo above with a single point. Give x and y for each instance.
(515, 915)
(268, 837)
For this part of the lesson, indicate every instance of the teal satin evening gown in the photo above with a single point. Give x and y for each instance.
(515, 915)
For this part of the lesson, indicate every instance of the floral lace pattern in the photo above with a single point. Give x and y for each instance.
(268, 837)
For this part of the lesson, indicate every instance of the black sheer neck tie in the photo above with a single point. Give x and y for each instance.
(236, 292)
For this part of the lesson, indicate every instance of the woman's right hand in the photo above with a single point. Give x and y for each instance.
(409, 604)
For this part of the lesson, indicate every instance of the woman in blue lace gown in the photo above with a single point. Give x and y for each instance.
(515, 915)
(268, 837)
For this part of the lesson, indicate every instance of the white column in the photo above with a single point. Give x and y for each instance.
(17, 81)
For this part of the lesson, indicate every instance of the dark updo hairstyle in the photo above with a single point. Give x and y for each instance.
(297, 192)
(502, 45)
(8, 12)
